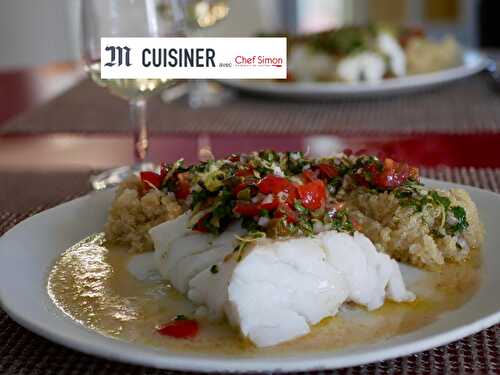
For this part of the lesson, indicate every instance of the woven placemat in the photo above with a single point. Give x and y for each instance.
(21, 191)
(22, 352)
(467, 106)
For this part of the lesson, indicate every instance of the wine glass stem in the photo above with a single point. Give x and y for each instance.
(138, 116)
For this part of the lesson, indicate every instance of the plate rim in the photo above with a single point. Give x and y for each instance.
(176, 361)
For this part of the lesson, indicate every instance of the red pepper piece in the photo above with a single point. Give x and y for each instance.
(239, 188)
(244, 172)
(246, 209)
(183, 186)
(393, 174)
(309, 175)
(271, 206)
(312, 194)
(150, 179)
(272, 184)
(286, 211)
(327, 171)
(200, 225)
(180, 329)
(292, 195)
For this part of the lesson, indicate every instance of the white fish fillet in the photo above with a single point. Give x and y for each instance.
(280, 287)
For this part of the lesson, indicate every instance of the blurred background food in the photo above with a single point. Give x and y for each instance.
(369, 53)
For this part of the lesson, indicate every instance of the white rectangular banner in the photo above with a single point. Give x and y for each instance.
(193, 58)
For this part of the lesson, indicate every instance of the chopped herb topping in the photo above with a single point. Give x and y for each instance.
(461, 218)
(285, 194)
(454, 218)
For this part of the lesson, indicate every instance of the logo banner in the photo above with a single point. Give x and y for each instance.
(193, 58)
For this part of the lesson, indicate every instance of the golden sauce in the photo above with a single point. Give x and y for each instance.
(91, 283)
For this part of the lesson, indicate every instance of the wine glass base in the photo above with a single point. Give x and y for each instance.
(113, 177)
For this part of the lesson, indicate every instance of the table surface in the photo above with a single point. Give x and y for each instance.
(463, 107)
(47, 154)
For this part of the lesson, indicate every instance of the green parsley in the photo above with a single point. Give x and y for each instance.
(461, 217)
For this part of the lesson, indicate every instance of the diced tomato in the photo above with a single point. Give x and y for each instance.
(286, 211)
(180, 329)
(200, 225)
(312, 194)
(347, 152)
(393, 174)
(292, 195)
(327, 171)
(150, 179)
(246, 209)
(272, 184)
(388, 178)
(183, 187)
(309, 175)
(245, 185)
(271, 206)
(244, 172)
(239, 188)
(291, 216)
(278, 214)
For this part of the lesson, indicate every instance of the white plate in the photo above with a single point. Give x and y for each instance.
(474, 62)
(28, 251)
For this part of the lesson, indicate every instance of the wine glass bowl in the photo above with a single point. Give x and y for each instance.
(127, 18)
(205, 13)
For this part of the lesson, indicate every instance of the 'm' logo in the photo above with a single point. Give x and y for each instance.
(119, 56)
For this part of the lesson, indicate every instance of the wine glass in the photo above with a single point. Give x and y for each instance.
(127, 18)
(199, 15)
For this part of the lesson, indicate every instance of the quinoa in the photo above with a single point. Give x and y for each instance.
(134, 212)
(410, 236)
